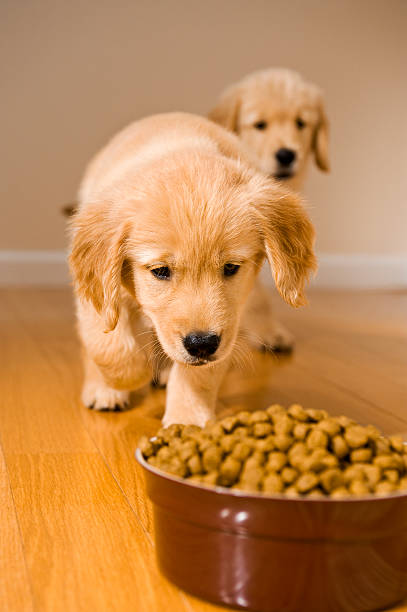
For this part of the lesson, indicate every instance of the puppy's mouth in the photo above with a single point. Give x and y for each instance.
(199, 361)
(283, 175)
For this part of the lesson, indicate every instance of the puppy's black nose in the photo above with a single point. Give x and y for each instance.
(285, 157)
(201, 344)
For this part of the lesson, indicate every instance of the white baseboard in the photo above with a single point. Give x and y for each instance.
(357, 272)
(50, 269)
(33, 268)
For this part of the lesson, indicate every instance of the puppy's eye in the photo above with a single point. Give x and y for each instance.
(162, 273)
(300, 123)
(230, 269)
(260, 125)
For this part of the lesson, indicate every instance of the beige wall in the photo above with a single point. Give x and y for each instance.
(75, 71)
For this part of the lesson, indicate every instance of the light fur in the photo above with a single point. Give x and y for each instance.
(278, 97)
(176, 190)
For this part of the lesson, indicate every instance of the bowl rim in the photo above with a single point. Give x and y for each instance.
(225, 491)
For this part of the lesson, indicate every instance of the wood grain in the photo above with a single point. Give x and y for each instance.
(77, 530)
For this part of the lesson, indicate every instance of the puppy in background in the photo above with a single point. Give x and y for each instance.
(172, 227)
(281, 122)
(280, 119)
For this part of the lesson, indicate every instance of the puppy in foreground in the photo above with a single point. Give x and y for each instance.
(172, 227)
(281, 121)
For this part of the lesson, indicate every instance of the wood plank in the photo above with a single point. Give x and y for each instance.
(15, 593)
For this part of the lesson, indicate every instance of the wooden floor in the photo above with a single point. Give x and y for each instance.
(76, 530)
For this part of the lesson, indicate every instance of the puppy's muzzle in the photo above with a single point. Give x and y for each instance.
(201, 345)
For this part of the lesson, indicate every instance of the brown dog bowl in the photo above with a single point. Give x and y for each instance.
(273, 553)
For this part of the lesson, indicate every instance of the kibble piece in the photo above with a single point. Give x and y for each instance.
(330, 461)
(359, 487)
(356, 436)
(229, 471)
(283, 425)
(361, 455)
(255, 460)
(298, 448)
(283, 442)
(391, 476)
(243, 418)
(382, 446)
(211, 458)
(153, 461)
(210, 479)
(251, 478)
(241, 451)
(291, 491)
(266, 444)
(190, 430)
(300, 431)
(317, 439)
(344, 421)
(165, 453)
(177, 467)
(329, 426)
(340, 492)
(276, 461)
(396, 443)
(195, 478)
(241, 432)
(331, 479)
(146, 447)
(229, 423)
(316, 415)
(315, 462)
(384, 487)
(273, 483)
(315, 493)
(259, 416)
(194, 464)
(261, 430)
(187, 449)
(216, 431)
(306, 482)
(204, 443)
(275, 409)
(289, 475)
(228, 442)
(298, 413)
(372, 432)
(340, 446)
(373, 474)
(403, 484)
(387, 462)
(353, 472)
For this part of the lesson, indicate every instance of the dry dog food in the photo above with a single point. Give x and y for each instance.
(292, 451)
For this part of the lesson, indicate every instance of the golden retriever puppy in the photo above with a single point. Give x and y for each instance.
(172, 227)
(281, 121)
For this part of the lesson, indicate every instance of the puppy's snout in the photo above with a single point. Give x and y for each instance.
(285, 157)
(201, 344)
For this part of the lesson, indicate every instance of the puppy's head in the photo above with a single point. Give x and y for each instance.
(187, 245)
(280, 119)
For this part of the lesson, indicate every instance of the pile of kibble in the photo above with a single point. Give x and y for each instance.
(292, 451)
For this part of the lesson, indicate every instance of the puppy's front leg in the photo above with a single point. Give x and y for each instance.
(192, 393)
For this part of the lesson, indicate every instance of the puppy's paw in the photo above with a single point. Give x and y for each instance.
(101, 397)
(280, 340)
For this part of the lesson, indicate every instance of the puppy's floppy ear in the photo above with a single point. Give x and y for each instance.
(98, 260)
(321, 141)
(288, 236)
(226, 112)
